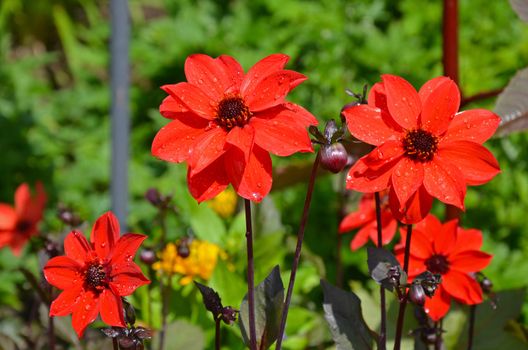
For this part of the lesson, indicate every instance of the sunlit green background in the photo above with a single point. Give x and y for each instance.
(54, 127)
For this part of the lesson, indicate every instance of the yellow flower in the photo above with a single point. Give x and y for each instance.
(224, 204)
(200, 262)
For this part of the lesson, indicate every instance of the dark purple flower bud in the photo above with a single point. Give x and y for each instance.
(130, 313)
(68, 217)
(229, 315)
(486, 285)
(334, 157)
(417, 295)
(153, 196)
(183, 248)
(147, 256)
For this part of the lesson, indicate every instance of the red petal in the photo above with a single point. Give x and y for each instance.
(126, 247)
(416, 208)
(105, 234)
(445, 182)
(470, 261)
(262, 69)
(474, 161)
(360, 178)
(406, 178)
(35, 205)
(252, 180)
(8, 218)
(475, 125)
(444, 241)
(440, 106)
(173, 108)
(438, 306)
(429, 225)
(209, 182)
(272, 90)
(462, 287)
(361, 238)
(126, 278)
(85, 311)
(470, 239)
(403, 101)
(112, 309)
(77, 247)
(421, 246)
(234, 70)
(356, 220)
(63, 272)
(301, 115)
(208, 147)
(242, 138)
(280, 134)
(208, 74)
(193, 98)
(174, 142)
(66, 302)
(22, 199)
(431, 86)
(378, 99)
(367, 124)
(390, 151)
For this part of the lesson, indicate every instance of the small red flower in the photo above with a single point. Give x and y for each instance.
(225, 123)
(454, 253)
(19, 223)
(365, 218)
(95, 275)
(424, 147)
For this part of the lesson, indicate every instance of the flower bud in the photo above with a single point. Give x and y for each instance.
(147, 256)
(153, 196)
(417, 295)
(486, 285)
(229, 315)
(334, 157)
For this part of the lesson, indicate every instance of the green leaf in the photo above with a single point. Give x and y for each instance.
(512, 104)
(182, 335)
(269, 298)
(206, 224)
(344, 316)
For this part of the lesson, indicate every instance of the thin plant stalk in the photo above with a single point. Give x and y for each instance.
(115, 344)
(250, 277)
(472, 314)
(403, 302)
(217, 333)
(165, 299)
(297, 256)
(438, 330)
(383, 309)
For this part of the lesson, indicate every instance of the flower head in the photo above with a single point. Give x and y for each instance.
(95, 275)
(199, 261)
(225, 123)
(19, 223)
(452, 252)
(224, 204)
(425, 148)
(365, 219)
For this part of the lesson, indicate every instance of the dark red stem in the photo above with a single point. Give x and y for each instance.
(480, 96)
(383, 309)
(115, 344)
(297, 256)
(403, 301)
(217, 334)
(250, 277)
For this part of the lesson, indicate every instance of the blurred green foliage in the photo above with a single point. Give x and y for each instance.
(54, 127)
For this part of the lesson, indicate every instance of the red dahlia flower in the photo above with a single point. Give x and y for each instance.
(225, 122)
(19, 223)
(424, 147)
(454, 253)
(95, 275)
(365, 218)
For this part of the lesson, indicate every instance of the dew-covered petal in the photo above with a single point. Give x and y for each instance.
(251, 180)
(439, 107)
(173, 108)
(242, 138)
(406, 178)
(66, 302)
(174, 142)
(112, 309)
(362, 179)
(126, 247)
(475, 162)
(463, 287)
(262, 69)
(209, 182)
(438, 306)
(403, 101)
(77, 247)
(235, 72)
(445, 182)
(414, 210)
(475, 125)
(85, 312)
(367, 124)
(208, 148)
(208, 74)
(193, 98)
(126, 278)
(105, 234)
(63, 272)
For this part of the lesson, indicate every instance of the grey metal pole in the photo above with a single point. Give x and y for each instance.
(119, 82)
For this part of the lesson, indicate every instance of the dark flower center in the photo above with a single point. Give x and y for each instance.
(420, 145)
(437, 264)
(95, 276)
(23, 225)
(231, 112)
